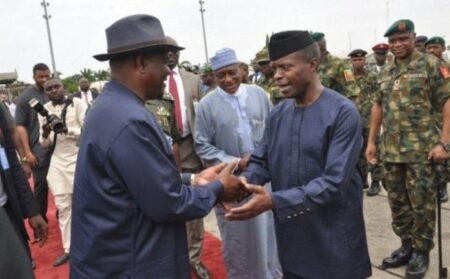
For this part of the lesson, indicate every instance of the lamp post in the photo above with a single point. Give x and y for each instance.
(201, 2)
(47, 18)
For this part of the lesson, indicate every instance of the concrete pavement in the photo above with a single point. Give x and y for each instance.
(381, 239)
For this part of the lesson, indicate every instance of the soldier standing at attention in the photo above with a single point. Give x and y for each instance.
(436, 46)
(164, 111)
(367, 82)
(412, 89)
(267, 81)
(334, 73)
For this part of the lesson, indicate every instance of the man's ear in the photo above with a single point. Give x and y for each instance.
(140, 63)
(314, 64)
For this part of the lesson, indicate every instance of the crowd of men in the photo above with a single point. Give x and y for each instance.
(282, 155)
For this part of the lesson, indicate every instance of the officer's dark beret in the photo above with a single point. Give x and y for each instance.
(357, 53)
(287, 42)
(400, 26)
(436, 40)
(421, 38)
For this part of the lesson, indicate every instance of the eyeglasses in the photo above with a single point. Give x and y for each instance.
(50, 88)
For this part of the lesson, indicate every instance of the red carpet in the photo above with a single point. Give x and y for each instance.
(44, 256)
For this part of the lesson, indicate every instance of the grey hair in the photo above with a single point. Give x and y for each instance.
(310, 52)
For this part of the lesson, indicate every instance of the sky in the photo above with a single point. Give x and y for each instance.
(78, 27)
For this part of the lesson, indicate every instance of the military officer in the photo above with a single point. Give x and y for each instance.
(267, 81)
(164, 112)
(419, 43)
(381, 55)
(412, 89)
(208, 80)
(367, 82)
(436, 46)
(335, 73)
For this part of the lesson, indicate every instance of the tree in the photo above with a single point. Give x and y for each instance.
(102, 75)
(71, 83)
(88, 73)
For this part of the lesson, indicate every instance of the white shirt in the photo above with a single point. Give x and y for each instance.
(86, 97)
(182, 98)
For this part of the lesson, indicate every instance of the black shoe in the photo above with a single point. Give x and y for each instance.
(365, 185)
(400, 256)
(443, 194)
(374, 189)
(61, 260)
(418, 265)
(200, 271)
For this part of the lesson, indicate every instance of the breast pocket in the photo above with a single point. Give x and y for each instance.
(257, 130)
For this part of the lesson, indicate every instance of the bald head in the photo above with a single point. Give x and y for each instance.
(84, 84)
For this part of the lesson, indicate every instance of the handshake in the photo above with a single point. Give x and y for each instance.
(235, 190)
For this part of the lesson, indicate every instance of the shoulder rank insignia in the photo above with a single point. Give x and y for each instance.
(445, 71)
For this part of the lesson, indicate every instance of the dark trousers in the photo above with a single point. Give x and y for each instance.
(41, 189)
(14, 261)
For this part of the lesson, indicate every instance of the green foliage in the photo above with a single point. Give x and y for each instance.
(71, 83)
(92, 75)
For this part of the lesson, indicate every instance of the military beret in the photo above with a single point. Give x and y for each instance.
(436, 40)
(400, 26)
(357, 53)
(206, 68)
(262, 56)
(381, 48)
(421, 38)
(287, 42)
(317, 36)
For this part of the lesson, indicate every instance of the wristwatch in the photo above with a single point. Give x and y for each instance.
(24, 160)
(446, 146)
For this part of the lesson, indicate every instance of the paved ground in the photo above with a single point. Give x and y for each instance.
(381, 239)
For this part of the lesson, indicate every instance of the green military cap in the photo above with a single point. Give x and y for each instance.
(186, 65)
(400, 26)
(262, 56)
(317, 36)
(206, 68)
(436, 40)
(357, 53)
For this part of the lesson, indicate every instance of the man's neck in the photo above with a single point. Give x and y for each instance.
(359, 72)
(58, 102)
(312, 94)
(39, 88)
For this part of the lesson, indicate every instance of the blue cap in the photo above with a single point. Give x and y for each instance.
(224, 57)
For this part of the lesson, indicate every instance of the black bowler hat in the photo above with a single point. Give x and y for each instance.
(135, 34)
(287, 42)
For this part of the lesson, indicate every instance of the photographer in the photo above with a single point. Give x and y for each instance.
(69, 113)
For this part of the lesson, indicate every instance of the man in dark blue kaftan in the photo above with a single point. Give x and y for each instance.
(130, 203)
(309, 152)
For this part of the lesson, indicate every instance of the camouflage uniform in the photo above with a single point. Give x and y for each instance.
(272, 89)
(444, 168)
(268, 84)
(368, 85)
(410, 95)
(334, 73)
(163, 110)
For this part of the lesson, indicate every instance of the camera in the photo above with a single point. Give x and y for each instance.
(54, 121)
